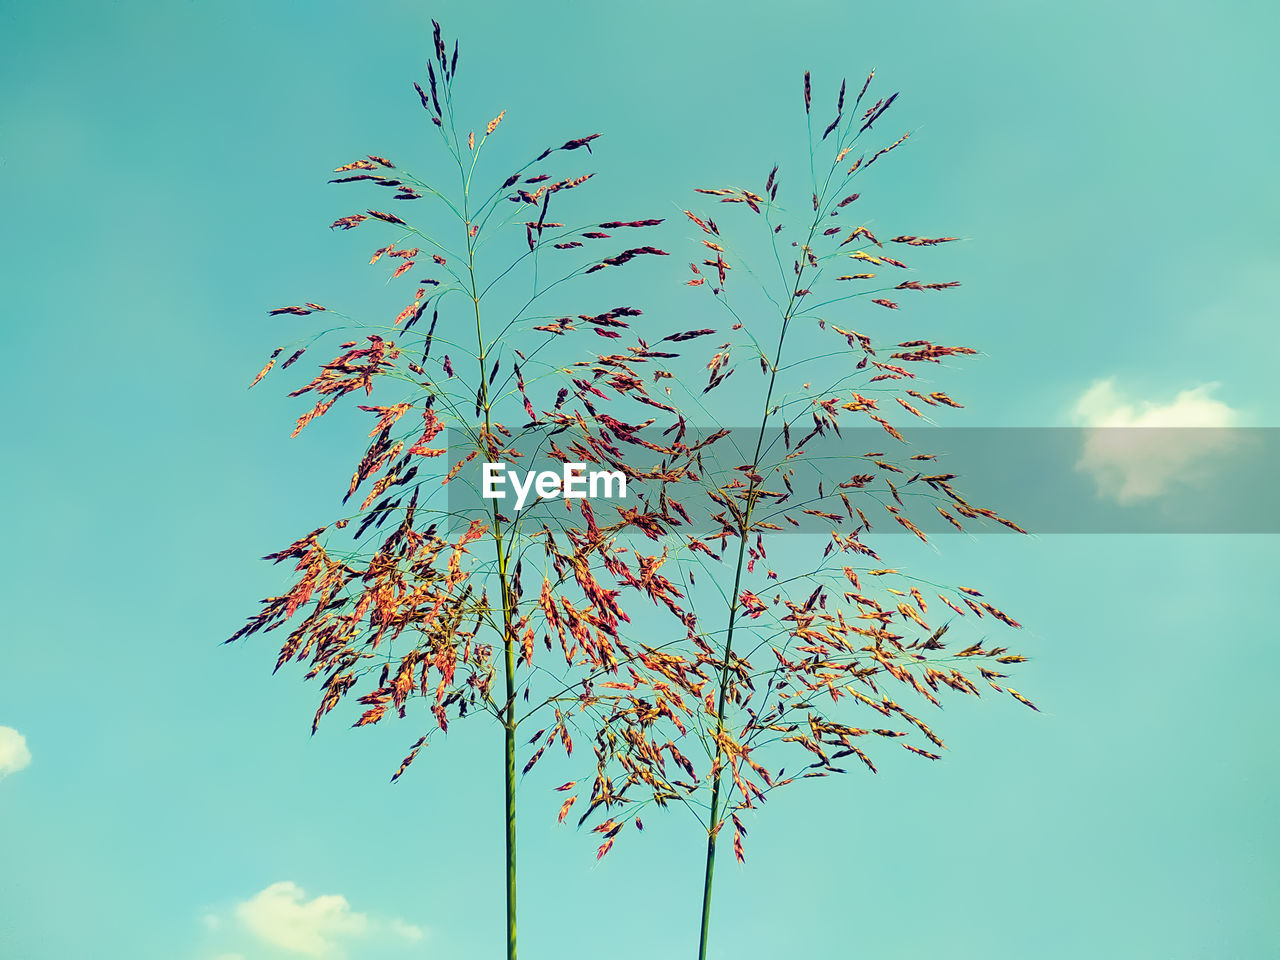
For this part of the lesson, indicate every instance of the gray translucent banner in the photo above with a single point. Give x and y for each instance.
(1043, 479)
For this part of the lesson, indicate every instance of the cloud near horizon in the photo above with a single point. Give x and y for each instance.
(1144, 461)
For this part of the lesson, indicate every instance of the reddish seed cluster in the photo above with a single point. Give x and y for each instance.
(472, 614)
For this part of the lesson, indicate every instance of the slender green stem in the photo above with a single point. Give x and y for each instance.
(707, 877)
(713, 824)
(509, 744)
(508, 717)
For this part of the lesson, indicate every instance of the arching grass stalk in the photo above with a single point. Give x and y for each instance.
(820, 652)
(714, 820)
(404, 604)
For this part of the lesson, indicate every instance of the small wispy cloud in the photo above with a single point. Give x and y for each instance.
(14, 755)
(408, 931)
(1146, 459)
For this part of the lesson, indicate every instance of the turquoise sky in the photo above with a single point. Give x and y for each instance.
(162, 184)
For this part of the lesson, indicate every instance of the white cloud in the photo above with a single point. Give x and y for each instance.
(1146, 459)
(282, 916)
(14, 755)
(409, 931)
(1102, 406)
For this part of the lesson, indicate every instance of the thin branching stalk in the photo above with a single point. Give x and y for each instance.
(423, 586)
(509, 640)
(819, 650)
(713, 825)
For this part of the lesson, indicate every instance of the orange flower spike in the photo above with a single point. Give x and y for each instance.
(271, 362)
